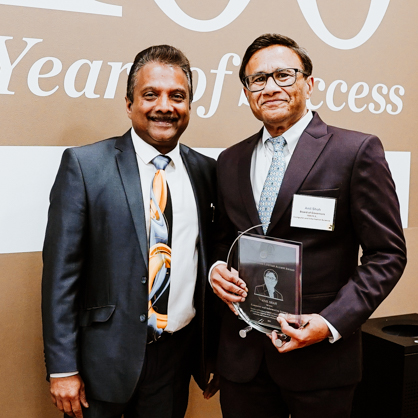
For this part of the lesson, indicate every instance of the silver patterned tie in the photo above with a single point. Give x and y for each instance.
(273, 182)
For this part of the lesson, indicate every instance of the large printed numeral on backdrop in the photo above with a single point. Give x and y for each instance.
(374, 18)
(229, 14)
(233, 9)
(82, 6)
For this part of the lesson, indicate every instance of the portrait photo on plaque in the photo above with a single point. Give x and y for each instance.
(271, 269)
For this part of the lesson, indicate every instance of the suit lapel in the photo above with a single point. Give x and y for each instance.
(129, 172)
(307, 151)
(244, 176)
(193, 171)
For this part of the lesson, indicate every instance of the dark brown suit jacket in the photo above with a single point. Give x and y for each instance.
(327, 162)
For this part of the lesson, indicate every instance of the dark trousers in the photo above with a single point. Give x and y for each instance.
(262, 397)
(163, 386)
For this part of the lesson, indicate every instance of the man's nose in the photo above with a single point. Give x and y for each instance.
(164, 104)
(271, 86)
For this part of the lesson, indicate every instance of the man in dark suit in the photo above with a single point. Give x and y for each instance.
(315, 373)
(102, 356)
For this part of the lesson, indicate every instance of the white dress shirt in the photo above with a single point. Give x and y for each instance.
(185, 234)
(263, 153)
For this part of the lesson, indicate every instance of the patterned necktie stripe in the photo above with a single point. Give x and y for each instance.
(273, 182)
(160, 251)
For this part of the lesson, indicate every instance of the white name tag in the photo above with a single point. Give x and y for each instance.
(313, 212)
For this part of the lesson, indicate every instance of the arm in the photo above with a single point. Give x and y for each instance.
(63, 256)
(225, 284)
(376, 221)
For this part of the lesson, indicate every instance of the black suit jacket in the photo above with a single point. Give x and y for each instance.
(327, 162)
(95, 286)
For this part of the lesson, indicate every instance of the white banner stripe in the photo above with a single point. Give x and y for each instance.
(27, 175)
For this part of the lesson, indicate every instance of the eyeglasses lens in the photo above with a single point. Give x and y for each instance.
(283, 78)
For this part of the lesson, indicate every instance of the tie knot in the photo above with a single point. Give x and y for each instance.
(161, 162)
(278, 143)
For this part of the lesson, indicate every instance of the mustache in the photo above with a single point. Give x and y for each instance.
(165, 118)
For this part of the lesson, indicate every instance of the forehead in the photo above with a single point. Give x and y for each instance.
(161, 76)
(268, 59)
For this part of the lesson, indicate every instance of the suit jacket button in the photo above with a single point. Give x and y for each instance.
(144, 280)
(143, 318)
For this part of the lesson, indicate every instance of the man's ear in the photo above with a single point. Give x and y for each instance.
(246, 92)
(310, 83)
(128, 105)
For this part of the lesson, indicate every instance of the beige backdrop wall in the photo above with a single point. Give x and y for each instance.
(62, 83)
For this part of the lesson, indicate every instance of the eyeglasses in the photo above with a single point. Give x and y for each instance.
(283, 77)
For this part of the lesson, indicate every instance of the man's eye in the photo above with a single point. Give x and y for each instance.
(150, 95)
(282, 75)
(178, 97)
(258, 79)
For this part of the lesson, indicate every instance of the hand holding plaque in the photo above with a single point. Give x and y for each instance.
(271, 269)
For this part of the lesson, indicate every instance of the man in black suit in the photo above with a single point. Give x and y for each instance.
(298, 159)
(101, 357)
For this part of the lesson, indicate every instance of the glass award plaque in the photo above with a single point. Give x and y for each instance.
(272, 271)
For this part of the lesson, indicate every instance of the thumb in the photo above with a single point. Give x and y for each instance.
(83, 398)
(285, 327)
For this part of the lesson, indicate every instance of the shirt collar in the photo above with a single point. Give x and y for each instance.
(147, 152)
(293, 134)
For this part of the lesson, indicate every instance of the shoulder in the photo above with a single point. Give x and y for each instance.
(95, 148)
(98, 152)
(346, 140)
(356, 143)
(234, 152)
(192, 155)
(318, 128)
(349, 134)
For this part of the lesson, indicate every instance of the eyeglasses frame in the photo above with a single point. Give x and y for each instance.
(271, 75)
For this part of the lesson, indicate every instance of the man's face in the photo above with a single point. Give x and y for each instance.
(270, 279)
(160, 111)
(278, 107)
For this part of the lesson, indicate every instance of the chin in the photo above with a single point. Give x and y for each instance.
(163, 135)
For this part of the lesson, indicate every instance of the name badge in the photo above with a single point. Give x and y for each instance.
(313, 212)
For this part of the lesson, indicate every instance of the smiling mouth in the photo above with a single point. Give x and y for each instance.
(274, 102)
(163, 120)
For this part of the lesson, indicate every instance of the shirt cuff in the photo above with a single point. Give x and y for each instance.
(213, 266)
(335, 334)
(57, 375)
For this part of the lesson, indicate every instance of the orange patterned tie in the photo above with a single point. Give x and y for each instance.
(159, 251)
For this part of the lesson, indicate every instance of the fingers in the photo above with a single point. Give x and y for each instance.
(76, 408)
(228, 286)
(312, 330)
(212, 387)
(68, 409)
(232, 307)
(83, 398)
(294, 319)
(209, 391)
(66, 394)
